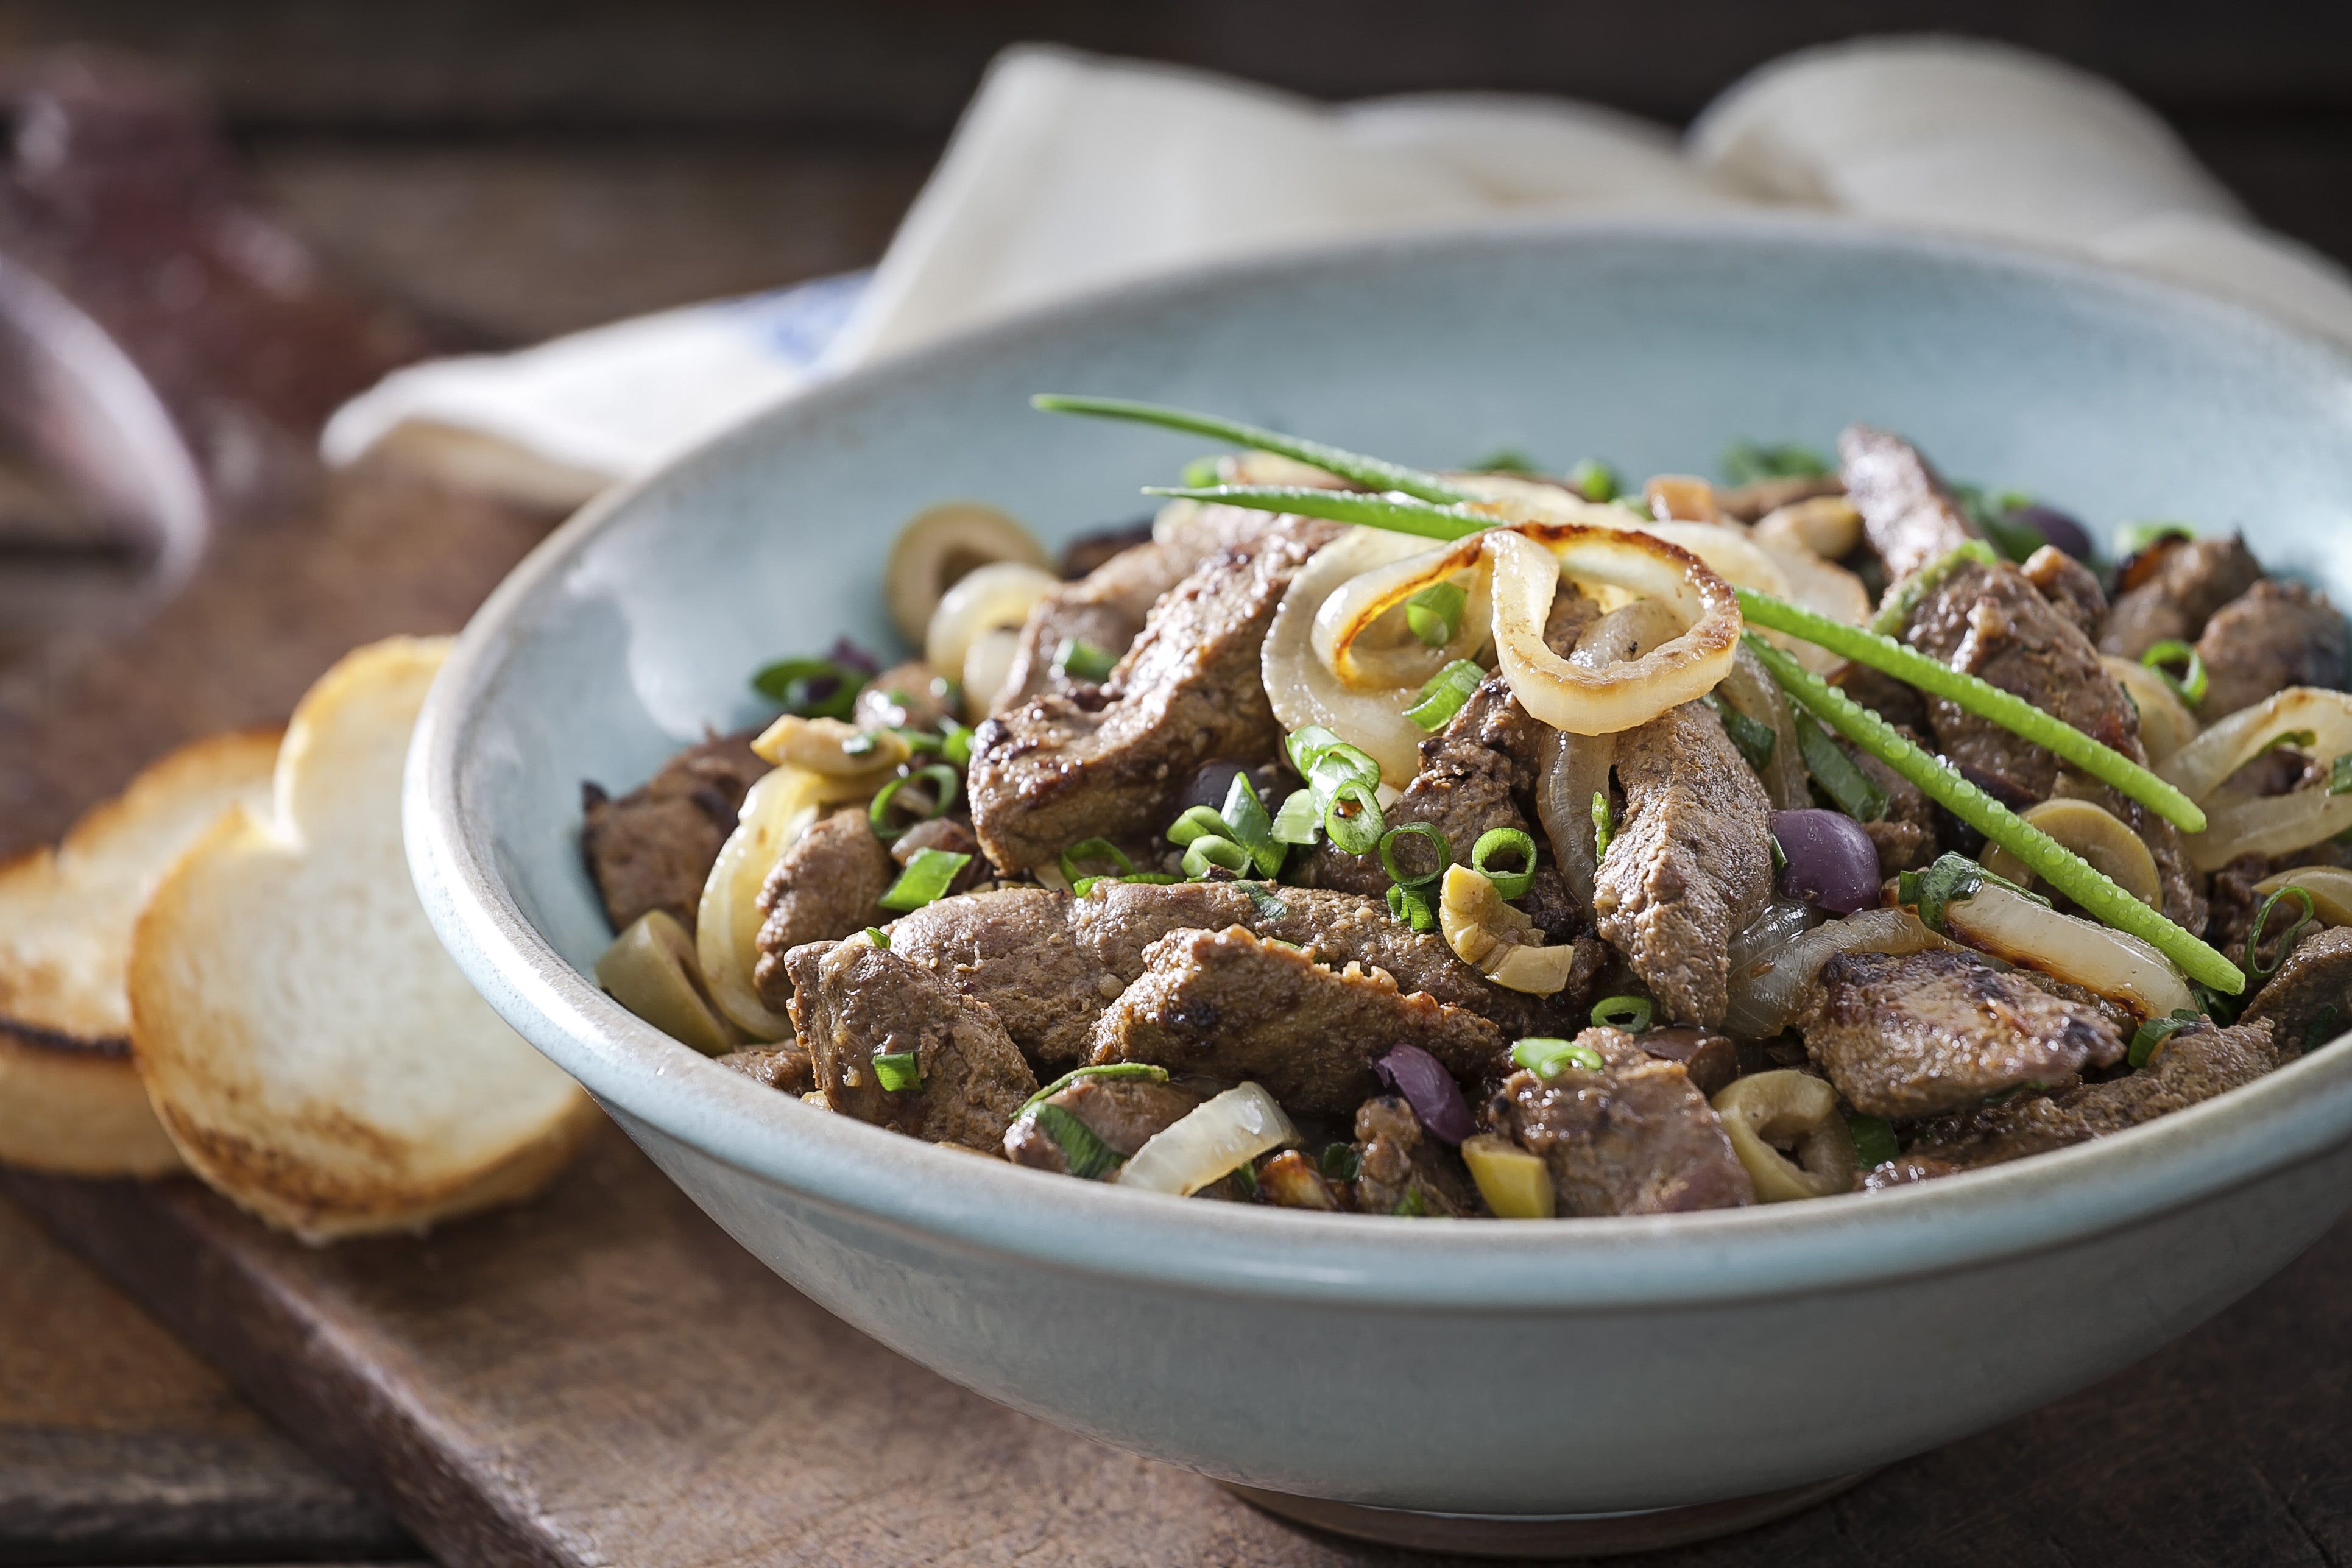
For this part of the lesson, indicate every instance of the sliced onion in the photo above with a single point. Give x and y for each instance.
(1825, 527)
(778, 809)
(1569, 771)
(1766, 992)
(993, 598)
(1528, 567)
(1209, 1141)
(987, 665)
(2098, 836)
(1826, 589)
(1346, 624)
(1303, 692)
(2268, 824)
(833, 748)
(2166, 724)
(2105, 961)
(939, 547)
(1756, 694)
(1430, 1089)
(2330, 887)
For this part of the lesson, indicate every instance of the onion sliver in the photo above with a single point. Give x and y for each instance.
(1826, 589)
(1342, 620)
(1528, 567)
(2098, 836)
(2105, 961)
(2166, 724)
(942, 544)
(993, 598)
(1569, 771)
(1303, 692)
(987, 665)
(1234, 1128)
(2330, 887)
(1756, 694)
(2268, 824)
(777, 811)
(1768, 991)
(2201, 767)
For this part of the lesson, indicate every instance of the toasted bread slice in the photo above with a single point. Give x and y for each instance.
(70, 1098)
(306, 1042)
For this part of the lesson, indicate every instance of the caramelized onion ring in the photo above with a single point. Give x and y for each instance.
(1528, 564)
(1303, 692)
(1343, 619)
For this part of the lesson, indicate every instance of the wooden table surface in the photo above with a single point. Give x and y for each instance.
(117, 1445)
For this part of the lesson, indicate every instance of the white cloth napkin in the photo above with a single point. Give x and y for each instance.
(1071, 174)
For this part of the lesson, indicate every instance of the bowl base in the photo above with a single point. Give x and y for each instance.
(1545, 1534)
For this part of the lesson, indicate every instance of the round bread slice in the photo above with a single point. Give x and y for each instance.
(70, 1098)
(307, 1044)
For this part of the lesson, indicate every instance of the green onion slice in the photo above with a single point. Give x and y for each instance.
(1373, 471)
(1631, 1014)
(1356, 831)
(1434, 613)
(1090, 1157)
(1605, 828)
(1982, 697)
(947, 785)
(1087, 849)
(926, 877)
(1442, 695)
(1112, 1070)
(1512, 843)
(879, 937)
(1081, 660)
(1745, 462)
(898, 1071)
(1874, 1142)
(1896, 613)
(1850, 789)
(956, 745)
(2339, 781)
(2045, 856)
(2190, 684)
(1412, 1205)
(1212, 850)
(2131, 538)
(1341, 1162)
(1299, 819)
(1953, 879)
(1547, 1058)
(1411, 907)
(1197, 821)
(1594, 479)
(2255, 971)
(1247, 825)
(812, 688)
(2156, 1030)
(1440, 854)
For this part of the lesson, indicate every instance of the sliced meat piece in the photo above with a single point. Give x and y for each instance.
(1905, 706)
(945, 833)
(2171, 591)
(821, 889)
(1990, 622)
(1232, 1005)
(1572, 612)
(2071, 588)
(1111, 761)
(1090, 551)
(2231, 911)
(1477, 774)
(1013, 950)
(785, 1067)
(1108, 606)
(1124, 1113)
(2188, 1067)
(853, 1001)
(653, 849)
(1712, 1060)
(1690, 864)
(1929, 1032)
(2308, 1002)
(1401, 1171)
(1905, 837)
(2273, 636)
(1909, 516)
(1636, 1137)
(909, 696)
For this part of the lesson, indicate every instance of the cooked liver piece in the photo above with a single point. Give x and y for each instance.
(852, 1002)
(1711, 1060)
(654, 846)
(1992, 623)
(1634, 1138)
(1691, 863)
(1929, 1032)
(1124, 1113)
(2188, 1067)
(1013, 950)
(2176, 591)
(2308, 1002)
(2273, 636)
(1476, 775)
(1909, 516)
(1232, 1006)
(821, 889)
(1395, 1159)
(1111, 761)
(2071, 588)
(785, 1067)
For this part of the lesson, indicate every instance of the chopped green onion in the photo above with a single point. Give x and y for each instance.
(1745, 462)
(1514, 843)
(1249, 826)
(861, 744)
(2151, 1034)
(2131, 538)
(1594, 479)
(1953, 879)
(1305, 743)
(1209, 850)
(1604, 828)
(1754, 737)
(1078, 659)
(1299, 819)
(812, 688)
(2045, 856)
(1362, 470)
(1434, 613)
(1411, 907)
(1357, 831)
(879, 937)
(1850, 789)
(947, 785)
(1246, 1176)
(1895, 613)
(898, 1071)
(1442, 695)
(926, 877)
(1979, 697)
(1200, 471)
(1082, 886)
(2255, 971)
(1197, 822)
(1341, 1162)
(1779, 856)
(1396, 513)
(1412, 1205)
(1547, 1058)
(1267, 907)
(922, 742)
(1631, 1014)
(1440, 854)
(1087, 849)
(1990, 513)
(1505, 460)
(1340, 765)
(2284, 738)
(957, 746)
(2340, 775)
(1112, 1070)
(1874, 1142)
(1089, 1156)
(2190, 686)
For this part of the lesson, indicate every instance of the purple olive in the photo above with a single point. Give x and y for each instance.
(1211, 781)
(1831, 862)
(2055, 528)
(1430, 1089)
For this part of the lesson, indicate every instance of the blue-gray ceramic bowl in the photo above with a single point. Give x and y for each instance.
(1571, 1367)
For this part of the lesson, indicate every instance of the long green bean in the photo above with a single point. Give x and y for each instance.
(1377, 472)
(2053, 861)
(1427, 519)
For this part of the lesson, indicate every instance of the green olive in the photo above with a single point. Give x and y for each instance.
(1767, 1112)
(651, 970)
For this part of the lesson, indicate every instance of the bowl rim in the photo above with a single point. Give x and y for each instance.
(861, 1173)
